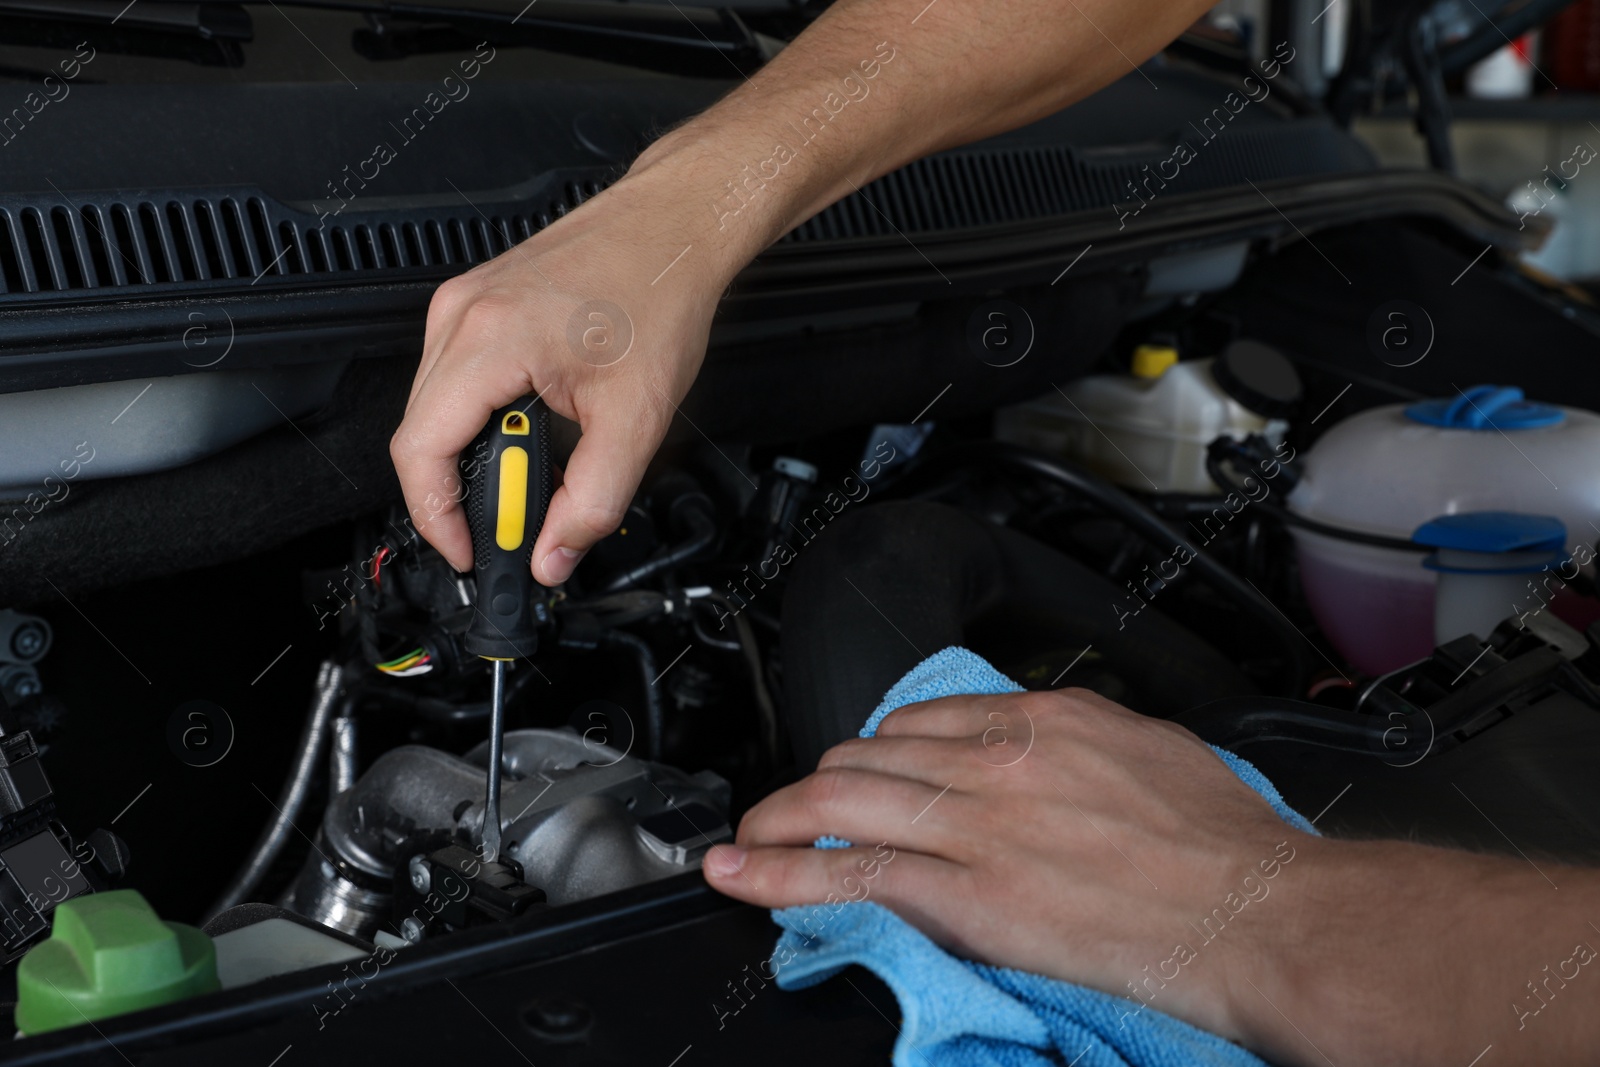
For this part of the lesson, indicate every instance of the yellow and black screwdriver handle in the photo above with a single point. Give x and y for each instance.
(508, 478)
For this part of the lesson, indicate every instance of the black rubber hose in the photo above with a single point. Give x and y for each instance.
(1224, 448)
(1239, 720)
(702, 532)
(885, 587)
(751, 651)
(1148, 525)
(641, 651)
(710, 640)
(303, 774)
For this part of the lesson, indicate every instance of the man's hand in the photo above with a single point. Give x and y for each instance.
(1062, 834)
(589, 314)
(1053, 832)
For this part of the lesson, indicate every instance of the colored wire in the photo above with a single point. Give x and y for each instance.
(377, 561)
(417, 661)
(422, 668)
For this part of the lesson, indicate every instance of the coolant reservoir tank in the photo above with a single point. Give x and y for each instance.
(1391, 469)
(1148, 430)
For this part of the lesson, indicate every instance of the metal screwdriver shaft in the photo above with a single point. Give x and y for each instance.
(508, 490)
(497, 733)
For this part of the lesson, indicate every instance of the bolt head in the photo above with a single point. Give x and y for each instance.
(411, 930)
(421, 878)
(558, 1020)
(28, 641)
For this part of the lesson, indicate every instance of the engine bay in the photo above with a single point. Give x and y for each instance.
(1304, 466)
(1213, 525)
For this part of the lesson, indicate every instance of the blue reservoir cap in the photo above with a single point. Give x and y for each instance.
(1486, 407)
(1493, 531)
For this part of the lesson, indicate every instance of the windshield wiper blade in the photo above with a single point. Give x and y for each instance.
(709, 42)
(208, 21)
(673, 38)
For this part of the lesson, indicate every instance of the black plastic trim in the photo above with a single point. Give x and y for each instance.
(111, 334)
(536, 936)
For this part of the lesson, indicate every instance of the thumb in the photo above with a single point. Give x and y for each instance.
(600, 480)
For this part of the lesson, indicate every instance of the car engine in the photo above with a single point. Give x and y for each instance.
(1174, 532)
(1305, 466)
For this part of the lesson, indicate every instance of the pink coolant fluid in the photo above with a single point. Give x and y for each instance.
(1388, 470)
(1378, 621)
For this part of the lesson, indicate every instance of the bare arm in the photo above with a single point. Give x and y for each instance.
(1120, 853)
(606, 312)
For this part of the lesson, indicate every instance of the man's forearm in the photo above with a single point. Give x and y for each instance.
(874, 84)
(1387, 952)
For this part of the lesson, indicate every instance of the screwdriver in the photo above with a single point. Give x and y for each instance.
(508, 480)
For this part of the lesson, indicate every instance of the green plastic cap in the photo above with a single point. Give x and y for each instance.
(109, 953)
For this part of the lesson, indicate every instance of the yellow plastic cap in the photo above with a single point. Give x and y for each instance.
(1152, 361)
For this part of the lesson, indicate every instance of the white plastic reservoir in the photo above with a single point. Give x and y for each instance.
(1390, 469)
(1148, 430)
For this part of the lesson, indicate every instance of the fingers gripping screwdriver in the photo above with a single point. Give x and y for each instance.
(508, 481)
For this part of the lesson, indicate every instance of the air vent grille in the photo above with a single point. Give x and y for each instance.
(200, 237)
(988, 187)
(117, 242)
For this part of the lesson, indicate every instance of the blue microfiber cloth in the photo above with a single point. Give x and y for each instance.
(962, 1014)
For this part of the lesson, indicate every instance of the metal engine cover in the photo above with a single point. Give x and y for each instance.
(581, 818)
